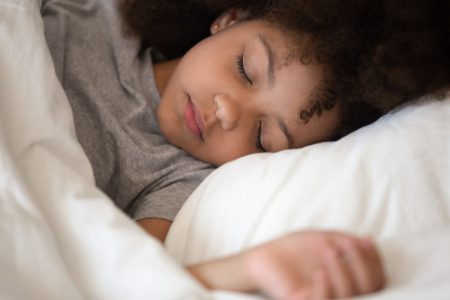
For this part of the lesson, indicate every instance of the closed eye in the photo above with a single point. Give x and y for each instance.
(241, 68)
(258, 141)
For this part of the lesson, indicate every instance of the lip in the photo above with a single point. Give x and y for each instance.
(193, 119)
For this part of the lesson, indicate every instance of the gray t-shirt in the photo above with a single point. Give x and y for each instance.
(113, 95)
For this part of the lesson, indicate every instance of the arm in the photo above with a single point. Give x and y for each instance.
(158, 228)
(310, 264)
(212, 274)
(314, 264)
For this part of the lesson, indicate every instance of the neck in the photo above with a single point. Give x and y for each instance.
(163, 71)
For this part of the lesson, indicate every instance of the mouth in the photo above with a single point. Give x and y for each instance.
(193, 119)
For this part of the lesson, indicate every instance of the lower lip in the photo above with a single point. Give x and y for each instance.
(189, 117)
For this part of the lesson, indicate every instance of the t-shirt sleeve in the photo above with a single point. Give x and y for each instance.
(165, 201)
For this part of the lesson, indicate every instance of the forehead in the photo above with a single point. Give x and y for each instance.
(296, 80)
(296, 99)
(290, 46)
(296, 91)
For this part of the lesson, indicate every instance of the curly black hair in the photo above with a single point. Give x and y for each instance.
(378, 54)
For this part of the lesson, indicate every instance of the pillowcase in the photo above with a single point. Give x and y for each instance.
(389, 180)
(384, 180)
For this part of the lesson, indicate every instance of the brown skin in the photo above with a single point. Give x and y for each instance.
(158, 228)
(379, 53)
(237, 112)
(302, 265)
(232, 110)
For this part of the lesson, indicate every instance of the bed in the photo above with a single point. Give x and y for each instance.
(62, 238)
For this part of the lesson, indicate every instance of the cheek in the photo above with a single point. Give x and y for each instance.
(165, 118)
(206, 64)
(224, 149)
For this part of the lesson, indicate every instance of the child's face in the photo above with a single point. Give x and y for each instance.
(233, 94)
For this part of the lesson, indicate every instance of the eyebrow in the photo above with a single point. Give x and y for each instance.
(286, 132)
(270, 58)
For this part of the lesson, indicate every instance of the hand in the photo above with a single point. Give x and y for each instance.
(315, 265)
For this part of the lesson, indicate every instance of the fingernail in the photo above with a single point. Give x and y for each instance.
(367, 243)
(350, 244)
(331, 254)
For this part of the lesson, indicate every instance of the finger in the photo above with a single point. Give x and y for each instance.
(370, 248)
(304, 294)
(376, 262)
(361, 267)
(321, 286)
(340, 275)
(276, 279)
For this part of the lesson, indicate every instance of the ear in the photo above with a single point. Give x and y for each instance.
(228, 18)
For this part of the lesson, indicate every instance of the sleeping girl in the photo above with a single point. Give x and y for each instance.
(162, 92)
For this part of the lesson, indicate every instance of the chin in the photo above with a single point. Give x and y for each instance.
(202, 158)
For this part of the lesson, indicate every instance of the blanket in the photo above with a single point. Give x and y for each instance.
(60, 237)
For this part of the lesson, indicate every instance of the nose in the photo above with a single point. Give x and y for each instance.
(228, 111)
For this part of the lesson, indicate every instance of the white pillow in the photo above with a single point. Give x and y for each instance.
(386, 180)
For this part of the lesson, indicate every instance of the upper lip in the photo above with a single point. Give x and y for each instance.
(198, 118)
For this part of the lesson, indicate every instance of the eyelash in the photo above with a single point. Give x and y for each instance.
(258, 143)
(240, 65)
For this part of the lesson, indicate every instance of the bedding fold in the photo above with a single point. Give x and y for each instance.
(60, 236)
